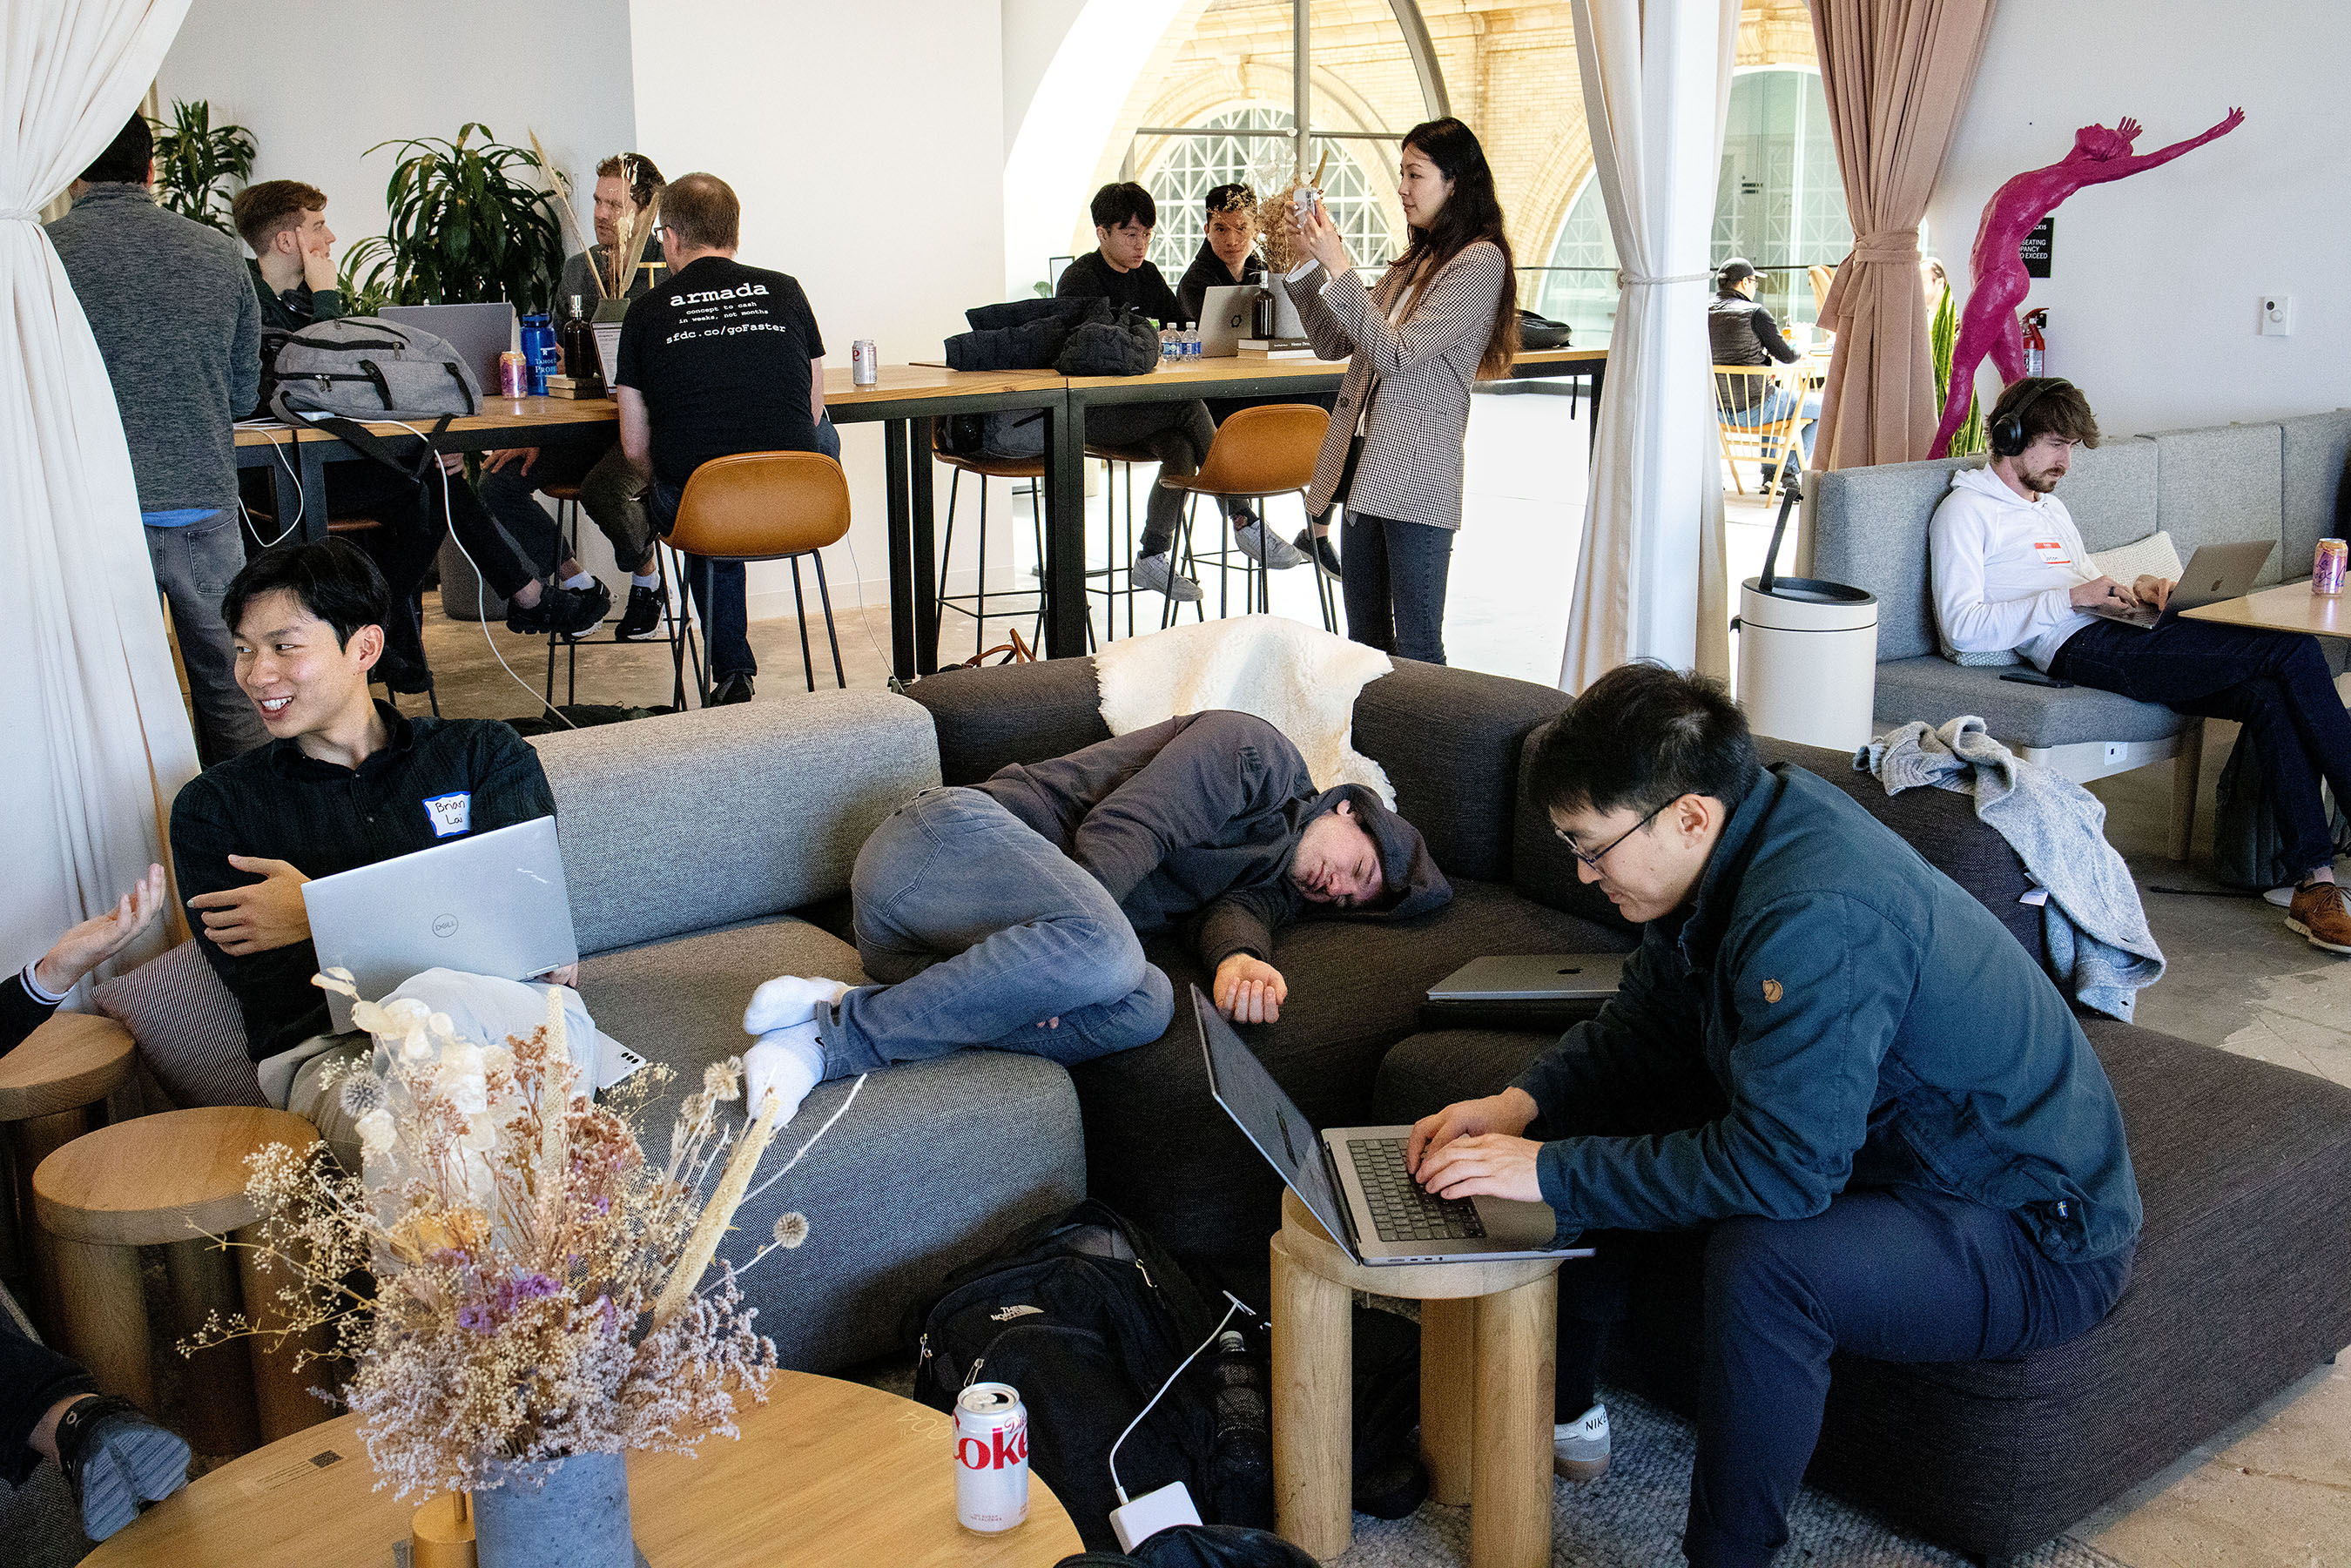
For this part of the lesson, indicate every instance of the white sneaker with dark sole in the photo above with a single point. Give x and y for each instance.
(1579, 1448)
(1155, 573)
(1262, 544)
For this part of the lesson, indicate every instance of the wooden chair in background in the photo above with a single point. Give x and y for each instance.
(1741, 394)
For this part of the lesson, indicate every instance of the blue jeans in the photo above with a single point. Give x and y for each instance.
(978, 930)
(2275, 684)
(1895, 1274)
(1772, 409)
(192, 566)
(1392, 575)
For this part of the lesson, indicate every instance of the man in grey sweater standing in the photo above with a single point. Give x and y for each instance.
(179, 331)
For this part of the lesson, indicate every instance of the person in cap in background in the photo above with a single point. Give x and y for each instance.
(1742, 332)
(1009, 915)
(1227, 255)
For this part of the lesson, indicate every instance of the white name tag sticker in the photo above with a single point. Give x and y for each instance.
(450, 814)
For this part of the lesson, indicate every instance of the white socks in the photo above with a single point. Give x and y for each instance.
(644, 579)
(789, 999)
(580, 579)
(787, 1062)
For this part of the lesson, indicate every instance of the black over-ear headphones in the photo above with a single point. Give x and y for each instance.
(2006, 433)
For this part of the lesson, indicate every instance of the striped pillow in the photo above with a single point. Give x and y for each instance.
(190, 1031)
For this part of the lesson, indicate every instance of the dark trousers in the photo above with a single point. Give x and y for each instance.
(1901, 1275)
(1393, 579)
(31, 1378)
(1179, 435)
(414, 518)
(609, 494)
(2274, 682)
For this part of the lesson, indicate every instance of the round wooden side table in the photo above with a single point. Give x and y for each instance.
(1487, 1355)
(824, 1472)
(169, 1181)
(47, 1085)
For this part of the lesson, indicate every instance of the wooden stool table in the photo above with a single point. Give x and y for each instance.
(160, 1181)
(825, 1472)
(47, 1085)
(1487, 1355)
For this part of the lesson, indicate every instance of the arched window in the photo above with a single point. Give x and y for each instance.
(1192, 166)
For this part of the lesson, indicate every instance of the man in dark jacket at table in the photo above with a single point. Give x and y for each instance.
(1008, 916)
(1834, 1100)
(1227, 255)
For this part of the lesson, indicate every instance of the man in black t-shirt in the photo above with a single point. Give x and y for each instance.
(723, 359)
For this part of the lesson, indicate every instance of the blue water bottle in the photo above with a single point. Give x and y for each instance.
(542, 350)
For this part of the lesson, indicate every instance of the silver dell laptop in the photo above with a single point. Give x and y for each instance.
(491, 903)
(1353, 1179)
(1533, 977)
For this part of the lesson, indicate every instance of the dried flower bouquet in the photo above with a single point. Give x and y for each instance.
(537, 1280)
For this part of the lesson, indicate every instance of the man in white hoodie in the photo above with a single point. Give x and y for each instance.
(2010, 574)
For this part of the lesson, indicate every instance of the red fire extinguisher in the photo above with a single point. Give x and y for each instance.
(2036, 345)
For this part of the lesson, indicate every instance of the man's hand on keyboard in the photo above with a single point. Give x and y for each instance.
(1509, 1111)
(1489, 1165)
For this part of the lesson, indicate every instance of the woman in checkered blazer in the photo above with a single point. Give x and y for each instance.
(1444, 316)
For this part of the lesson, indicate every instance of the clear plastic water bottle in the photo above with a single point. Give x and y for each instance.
(1167, 342)
(1191, 342)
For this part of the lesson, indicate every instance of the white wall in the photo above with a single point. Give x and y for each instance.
(2151, 303)
(317, 84)
(866, 143)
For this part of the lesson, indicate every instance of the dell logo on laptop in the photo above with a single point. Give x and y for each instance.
(445, 925)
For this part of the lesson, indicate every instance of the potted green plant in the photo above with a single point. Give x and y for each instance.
(198, 162)
(466, 223)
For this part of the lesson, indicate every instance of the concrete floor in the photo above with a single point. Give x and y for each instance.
(2276, 1493)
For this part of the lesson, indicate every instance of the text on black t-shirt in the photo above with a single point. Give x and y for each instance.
(720, 353)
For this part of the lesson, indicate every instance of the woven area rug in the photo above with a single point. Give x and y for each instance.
(1632, 1518)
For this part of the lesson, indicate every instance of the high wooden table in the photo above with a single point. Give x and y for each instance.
(2289, 607)
(825, 1472)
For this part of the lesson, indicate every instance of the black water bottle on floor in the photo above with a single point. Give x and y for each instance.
(1240, 1452)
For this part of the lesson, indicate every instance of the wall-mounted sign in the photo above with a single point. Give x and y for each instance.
(2033, 251)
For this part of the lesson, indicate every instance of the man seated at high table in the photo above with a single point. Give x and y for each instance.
(2010, 574)
(1008, 916)
(723, 359)
(1834, 1102)
(1177, 434)
(285, 223)
(346, 781)
(1227, 256)
(1741, 331)
(610, 490)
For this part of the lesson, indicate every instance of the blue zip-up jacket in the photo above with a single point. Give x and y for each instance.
(1865, 1021)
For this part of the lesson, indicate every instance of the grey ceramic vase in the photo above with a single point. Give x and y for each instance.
(574, 1515)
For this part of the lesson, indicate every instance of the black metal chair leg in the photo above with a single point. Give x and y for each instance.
(979, 599)
(840, 676)
(800, 609)
(947, 546)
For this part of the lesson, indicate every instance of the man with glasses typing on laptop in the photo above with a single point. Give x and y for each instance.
(2010, 576)
(346, 781)
(1833, 1099)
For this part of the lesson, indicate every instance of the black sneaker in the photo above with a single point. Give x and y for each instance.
(565, 612)
(1318, 546)
(401, 676)
(733, 689)
(643, 615)
(117, 1461)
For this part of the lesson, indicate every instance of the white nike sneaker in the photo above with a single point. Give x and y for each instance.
(1157, 574)
(1579, 1448)
(1262, 544)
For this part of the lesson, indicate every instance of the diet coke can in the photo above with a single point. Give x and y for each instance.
(991, 1433)
(864, 363)
(2326, 568)
(514, 374)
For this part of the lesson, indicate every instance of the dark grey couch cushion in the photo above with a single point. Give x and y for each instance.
(1938, 691)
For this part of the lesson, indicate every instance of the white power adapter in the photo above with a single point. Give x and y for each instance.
(1146, 1516)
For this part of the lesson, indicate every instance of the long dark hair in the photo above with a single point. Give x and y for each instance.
(1470, 213)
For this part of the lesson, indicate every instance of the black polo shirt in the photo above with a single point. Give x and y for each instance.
(437, 780)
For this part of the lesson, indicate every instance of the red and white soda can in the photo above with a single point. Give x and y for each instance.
(991, 1450)
(864, 363)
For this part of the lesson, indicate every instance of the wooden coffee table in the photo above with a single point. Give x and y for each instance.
(2289, 607)
(825, 1472)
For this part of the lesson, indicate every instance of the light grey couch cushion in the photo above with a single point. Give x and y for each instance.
(2218, 486)
(2315, 456)
(934, 1165)
(1938, 691)
(2113, 495)
(689, 821)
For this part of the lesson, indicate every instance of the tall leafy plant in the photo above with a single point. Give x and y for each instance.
(1943, 335)
(469, 223)
(197, 163)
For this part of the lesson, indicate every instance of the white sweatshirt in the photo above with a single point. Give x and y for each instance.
(2003, 569)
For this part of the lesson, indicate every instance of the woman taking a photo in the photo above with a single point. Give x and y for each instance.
(1444, 316)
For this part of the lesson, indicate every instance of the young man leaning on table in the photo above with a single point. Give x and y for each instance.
(345, 781)
(2011, 575)
(1834, 1100)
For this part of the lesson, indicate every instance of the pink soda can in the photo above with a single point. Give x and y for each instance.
(2326, 568)
(991, 1450)
(514, 374)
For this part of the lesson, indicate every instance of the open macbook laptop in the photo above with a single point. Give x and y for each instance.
(1533, 977)
(1224, 316)
(480, 333)
(1353, 1179)
(491, 904)
(2213, 573)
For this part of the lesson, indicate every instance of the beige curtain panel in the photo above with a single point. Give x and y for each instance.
(1897, 73)
(98, 741)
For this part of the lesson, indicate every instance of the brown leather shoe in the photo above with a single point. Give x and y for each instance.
(2321, 913)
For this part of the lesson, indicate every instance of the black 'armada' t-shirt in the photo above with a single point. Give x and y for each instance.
(721, 355)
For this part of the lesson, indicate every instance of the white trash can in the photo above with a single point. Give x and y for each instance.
(1808, 661)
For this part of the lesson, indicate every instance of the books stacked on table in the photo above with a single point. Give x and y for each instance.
(1276, 349)
(575, 386)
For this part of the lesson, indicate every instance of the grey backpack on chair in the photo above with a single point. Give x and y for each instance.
(364, 367)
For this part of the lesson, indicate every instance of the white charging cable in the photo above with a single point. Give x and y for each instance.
(1237, 1306)
(301, 503)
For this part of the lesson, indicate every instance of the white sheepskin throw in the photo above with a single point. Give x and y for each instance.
(1298, 679)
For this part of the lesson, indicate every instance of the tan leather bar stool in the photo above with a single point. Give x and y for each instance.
(1487, 1356)
(169, 1181)
(762, 506)
(48, 1087)
(984, 468)
(1259, 452)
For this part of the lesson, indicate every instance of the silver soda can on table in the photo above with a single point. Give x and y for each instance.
(2328, 565)
(864, 363)
(991, 1452)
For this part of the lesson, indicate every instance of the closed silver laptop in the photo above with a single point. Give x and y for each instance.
(1353, 1179)
(491, 904)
